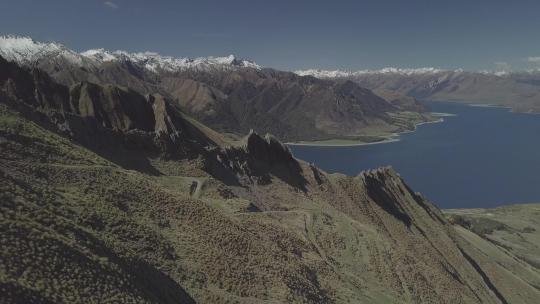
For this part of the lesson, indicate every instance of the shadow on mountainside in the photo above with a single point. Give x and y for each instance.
(376, 186)
(261, 158)
(162, 288)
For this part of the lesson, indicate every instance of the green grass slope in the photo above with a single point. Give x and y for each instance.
(78, 228)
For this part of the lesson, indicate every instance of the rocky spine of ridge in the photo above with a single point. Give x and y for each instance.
(267, 149)
(258, 158)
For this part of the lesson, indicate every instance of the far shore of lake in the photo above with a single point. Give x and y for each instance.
(489, 105)
(384, 139)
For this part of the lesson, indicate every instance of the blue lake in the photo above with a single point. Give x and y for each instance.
(482, 157)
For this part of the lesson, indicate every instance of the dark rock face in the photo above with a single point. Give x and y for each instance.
(103, 116)
(116, 108)
(267, 149)
(33, 87)
(384, 186)
(379, 189)
(260, 157)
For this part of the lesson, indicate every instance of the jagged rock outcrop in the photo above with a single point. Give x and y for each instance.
(115, 108)
(267, 149)
(33, 86)
(259, 158)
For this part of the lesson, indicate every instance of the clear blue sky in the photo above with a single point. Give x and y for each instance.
(473, 34)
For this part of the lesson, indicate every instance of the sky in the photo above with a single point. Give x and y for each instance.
(295, 34)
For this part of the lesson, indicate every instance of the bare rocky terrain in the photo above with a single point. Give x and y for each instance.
(112, 196)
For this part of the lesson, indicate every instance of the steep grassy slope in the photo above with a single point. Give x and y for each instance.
(64, 236)
(78, 228)
(203, 221)
(506, 243)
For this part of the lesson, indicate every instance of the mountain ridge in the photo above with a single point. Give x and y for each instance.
(225, 223)
(518, 90)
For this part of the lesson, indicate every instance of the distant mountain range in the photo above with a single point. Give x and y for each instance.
(229, 94)
(26, 51)
(518, 90)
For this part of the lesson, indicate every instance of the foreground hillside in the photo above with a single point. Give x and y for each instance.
(110, 196)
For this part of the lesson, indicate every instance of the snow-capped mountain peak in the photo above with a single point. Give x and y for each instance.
(388, 70)
(99, 55)
(154, 61)
(26, 51)
(318, 73)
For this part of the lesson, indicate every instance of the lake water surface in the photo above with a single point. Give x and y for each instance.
(482, 157)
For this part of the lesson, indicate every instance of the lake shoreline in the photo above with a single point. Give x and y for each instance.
(472, 148)
(487, 105)
(390, 138)
(510, 108)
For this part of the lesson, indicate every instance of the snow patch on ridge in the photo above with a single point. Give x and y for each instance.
(26, 51)
(154, 62)
(388, 70)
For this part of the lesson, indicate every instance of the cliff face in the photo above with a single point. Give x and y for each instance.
(203, 221)
(257, 159)
(115, 108)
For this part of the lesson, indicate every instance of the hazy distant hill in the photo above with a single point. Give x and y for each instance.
(520, 91)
